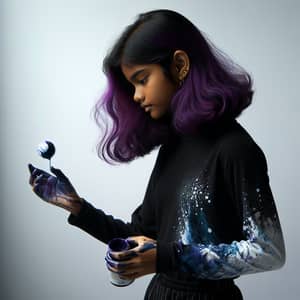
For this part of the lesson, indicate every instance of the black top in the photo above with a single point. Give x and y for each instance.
(208, 204)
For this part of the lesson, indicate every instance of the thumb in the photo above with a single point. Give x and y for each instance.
(59, 174)
(31, 168)
(132, 242)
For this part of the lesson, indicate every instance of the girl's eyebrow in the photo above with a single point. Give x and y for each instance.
(135, 74)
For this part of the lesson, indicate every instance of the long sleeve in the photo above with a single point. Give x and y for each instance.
(105, 227)
(246, 181)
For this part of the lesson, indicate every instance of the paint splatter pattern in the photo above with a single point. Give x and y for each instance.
(198, 247)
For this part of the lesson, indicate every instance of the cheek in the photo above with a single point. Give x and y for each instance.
(169, 92)
(165, 90)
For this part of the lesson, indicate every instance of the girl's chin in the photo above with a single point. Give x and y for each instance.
(154, 113)
(158, 113)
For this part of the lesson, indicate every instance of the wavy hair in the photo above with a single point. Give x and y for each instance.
(215, 89)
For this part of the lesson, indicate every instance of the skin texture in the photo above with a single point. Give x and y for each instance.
(151, 85)
(151, 88)
(56, 190)
(136, 262)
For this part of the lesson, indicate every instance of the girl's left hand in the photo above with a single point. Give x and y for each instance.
(136, 262)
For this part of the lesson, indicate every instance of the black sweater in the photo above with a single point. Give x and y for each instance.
(208, 204)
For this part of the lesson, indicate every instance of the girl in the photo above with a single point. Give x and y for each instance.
(208, 215)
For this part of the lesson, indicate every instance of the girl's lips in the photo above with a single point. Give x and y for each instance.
(148, 107)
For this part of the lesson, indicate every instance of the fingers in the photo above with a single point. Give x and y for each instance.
(123, 255)
(38, 182)
(139, 239)
(146, 246)
(124, 273)
(44, 187)
(59, 174)
(38, 178)
(34, 173)
(138, 245)
(31, 168)
(117, 264)
(132, 242)
(141, 243)
(38, 189)
(123, 269)
(135, 262)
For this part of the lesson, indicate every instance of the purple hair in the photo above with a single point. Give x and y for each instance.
(215, 89)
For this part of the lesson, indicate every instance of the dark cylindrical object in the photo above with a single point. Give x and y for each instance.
(117, 245)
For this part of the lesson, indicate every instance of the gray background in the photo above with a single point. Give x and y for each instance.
(51, 60)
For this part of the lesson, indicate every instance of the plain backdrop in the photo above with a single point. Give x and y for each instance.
(51, 75)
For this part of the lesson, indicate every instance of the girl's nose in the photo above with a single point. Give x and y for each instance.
(138, 97)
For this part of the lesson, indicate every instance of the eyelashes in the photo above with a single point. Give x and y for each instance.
(143, 81)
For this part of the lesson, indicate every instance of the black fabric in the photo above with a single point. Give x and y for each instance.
(208, 204)
(164, 288)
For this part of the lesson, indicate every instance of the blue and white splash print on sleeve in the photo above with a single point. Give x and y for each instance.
(262, 248)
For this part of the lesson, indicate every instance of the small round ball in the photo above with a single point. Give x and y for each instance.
(46, 149)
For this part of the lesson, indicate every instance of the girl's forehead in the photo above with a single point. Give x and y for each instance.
(131, 71)
(132, 68)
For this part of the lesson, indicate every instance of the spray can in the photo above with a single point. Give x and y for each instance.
(117, 245)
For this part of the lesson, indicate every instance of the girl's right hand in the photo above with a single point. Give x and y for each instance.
(56, 190)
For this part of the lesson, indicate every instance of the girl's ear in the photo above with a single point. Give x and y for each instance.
(180, 65)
